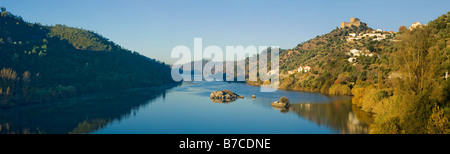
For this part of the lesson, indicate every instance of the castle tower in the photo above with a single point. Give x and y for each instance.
(353, 21)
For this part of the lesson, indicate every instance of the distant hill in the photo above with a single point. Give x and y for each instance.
(43, 62)
(199, 71)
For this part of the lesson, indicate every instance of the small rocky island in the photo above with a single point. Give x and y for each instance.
(224, 96)
(283, 103)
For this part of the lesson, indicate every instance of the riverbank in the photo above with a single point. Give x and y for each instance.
(310, 90)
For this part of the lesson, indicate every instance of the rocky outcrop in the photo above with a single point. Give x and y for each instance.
(280, 104)
(224, 96)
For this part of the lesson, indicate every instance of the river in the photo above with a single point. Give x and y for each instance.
(187, 109)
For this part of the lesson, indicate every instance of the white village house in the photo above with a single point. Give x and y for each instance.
(378, 39)
(446, 75)
(373, 35)
(304, 69)
(377, 35)
(291, 72)
(415, 25)
(357, 53)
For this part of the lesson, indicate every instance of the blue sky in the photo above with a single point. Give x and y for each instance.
(153, 28)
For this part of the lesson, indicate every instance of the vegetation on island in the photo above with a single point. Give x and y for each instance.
(39, 63)
(284, 99)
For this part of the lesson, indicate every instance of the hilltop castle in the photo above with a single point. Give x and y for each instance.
(353, 21)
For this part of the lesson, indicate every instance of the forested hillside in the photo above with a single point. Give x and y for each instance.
(327, 56)
(400, 79)
(39, 63)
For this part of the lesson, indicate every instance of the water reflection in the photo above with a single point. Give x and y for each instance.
(282, 109)
(187, 109)
(77, 115)
(222, 100)
(339, 115)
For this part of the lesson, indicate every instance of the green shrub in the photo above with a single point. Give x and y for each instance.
(284, 99)
(358, 93)
(372, 98)
(438, 123)
(387, 126)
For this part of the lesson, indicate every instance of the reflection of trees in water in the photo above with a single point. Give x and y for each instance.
(222, 100)
(90, 126)
(77, 115)
(282, 109)
(339, 115)
(364, 117)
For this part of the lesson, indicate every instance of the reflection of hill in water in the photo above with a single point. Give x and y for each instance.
(339, 115)
(77, 115)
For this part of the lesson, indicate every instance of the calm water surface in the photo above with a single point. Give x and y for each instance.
(187, 109)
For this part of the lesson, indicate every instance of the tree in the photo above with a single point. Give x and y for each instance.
(4, 14)
(415, 59)
(371, 48)
(419, 61)
(8, 79)
(438, 123)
